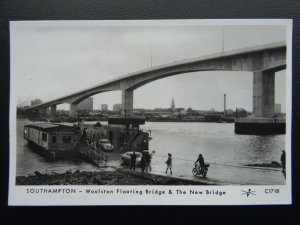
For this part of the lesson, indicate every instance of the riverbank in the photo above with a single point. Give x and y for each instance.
(272, 164)
(101, 119)
(106, 176)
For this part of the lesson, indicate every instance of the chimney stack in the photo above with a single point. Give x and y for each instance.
(224, 104)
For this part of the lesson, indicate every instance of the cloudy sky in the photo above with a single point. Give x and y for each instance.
(52, 59)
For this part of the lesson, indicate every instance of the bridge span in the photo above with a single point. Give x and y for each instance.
(263, 61)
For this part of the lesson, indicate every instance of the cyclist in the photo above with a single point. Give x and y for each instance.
(201, 162)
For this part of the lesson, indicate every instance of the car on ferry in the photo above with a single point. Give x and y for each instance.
(105, 145)
(126, 157)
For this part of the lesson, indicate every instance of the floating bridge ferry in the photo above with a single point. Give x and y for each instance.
(58, 139)
(51, 139)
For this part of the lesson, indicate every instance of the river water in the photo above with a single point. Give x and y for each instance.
(184, 140)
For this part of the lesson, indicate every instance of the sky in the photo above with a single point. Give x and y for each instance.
(52, 59)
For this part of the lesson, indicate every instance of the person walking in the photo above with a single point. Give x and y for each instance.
(169, 163)
(133, 161)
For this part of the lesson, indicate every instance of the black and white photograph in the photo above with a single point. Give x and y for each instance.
(185, 112)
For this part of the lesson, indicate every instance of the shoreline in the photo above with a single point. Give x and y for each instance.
(272, 165)
(116, 174)
(146, 120)
(104, 177)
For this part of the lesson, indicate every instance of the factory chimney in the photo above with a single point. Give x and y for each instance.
(224, 104)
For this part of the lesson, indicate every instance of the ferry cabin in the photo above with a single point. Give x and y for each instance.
(51, 137)
(122, 132)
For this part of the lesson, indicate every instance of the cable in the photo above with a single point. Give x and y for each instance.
(214, 163)
(221, 164)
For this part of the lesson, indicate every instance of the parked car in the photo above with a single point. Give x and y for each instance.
(126, 157)
(105, 145)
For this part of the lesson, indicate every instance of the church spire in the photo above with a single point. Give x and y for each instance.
(173, 105)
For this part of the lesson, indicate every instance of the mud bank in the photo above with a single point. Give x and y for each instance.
(272, 164)
(115, 177)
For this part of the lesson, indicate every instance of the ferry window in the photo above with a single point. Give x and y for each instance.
(44, 136)
(53, 139)
(66, 139)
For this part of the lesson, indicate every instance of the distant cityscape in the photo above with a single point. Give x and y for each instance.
(86, 111)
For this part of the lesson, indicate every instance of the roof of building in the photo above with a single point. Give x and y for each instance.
(50, 127)
(43, 125)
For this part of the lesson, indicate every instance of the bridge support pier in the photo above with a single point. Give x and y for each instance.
(263, 108)
(43, 112)
(264, 93)
(73, 110)
(127, 103)
(53, 110)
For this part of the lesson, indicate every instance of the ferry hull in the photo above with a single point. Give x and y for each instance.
(52, 153)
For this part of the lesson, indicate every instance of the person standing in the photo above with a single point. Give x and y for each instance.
(169, 163)
(143, 161)
(148, 161)
(282, 159)
(83, 136)
(133, 161)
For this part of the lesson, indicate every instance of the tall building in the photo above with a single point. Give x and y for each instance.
(277, 108)
(36, 102)
(173, 105)
(86, 104)
(104, 107)
(117, 107)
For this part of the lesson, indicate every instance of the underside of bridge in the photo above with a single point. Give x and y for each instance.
(262, 62)
(263, 97)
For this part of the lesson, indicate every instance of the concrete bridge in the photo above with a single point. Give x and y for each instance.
(263, 61)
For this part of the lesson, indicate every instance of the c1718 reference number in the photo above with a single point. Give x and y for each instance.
(272, 191)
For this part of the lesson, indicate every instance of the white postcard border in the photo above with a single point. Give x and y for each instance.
(234, 195)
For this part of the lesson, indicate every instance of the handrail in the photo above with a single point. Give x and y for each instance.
(97, 155)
